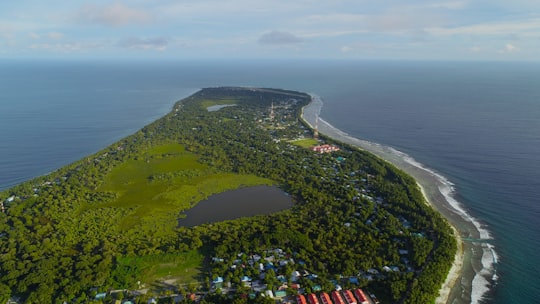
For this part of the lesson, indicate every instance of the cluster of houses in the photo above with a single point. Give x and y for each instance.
(357, 296)
(326, 148)
(288, 289)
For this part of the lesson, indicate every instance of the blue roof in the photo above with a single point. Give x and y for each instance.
(100, 296)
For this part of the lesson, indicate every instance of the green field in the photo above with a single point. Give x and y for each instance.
(184, 267)
(165, 180)
(305, 142)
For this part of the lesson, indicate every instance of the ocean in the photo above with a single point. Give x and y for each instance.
(475, 124)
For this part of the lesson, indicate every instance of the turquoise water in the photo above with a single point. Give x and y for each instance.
(475, 123)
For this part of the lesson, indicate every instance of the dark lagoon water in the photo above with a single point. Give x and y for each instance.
(475, 123)
(243, 202)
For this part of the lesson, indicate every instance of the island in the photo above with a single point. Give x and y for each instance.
(111, 227)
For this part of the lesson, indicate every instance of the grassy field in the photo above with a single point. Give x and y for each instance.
(164, 181)
(184, 267)
(305, 142)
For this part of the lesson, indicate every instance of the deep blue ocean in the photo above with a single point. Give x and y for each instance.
(478, 124)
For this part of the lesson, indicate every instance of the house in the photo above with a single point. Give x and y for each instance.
(361, 296)
(246, 281)
(100, 296)
(280, 294)
(324, 148)
(336, 297)
(300, 299)
(325, 298)
(312, 299)
(349, 298)
(218, 282)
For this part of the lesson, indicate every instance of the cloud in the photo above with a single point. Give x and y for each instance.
(55, 35)
(158, 43)
(475, 49)
(522, 27)
(452, 5)
(6, 31)
(34, 35)
(346, 49)
(64, 47)
(113, 15)
(509, 48)
(279, 38)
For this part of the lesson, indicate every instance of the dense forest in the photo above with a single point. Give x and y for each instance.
(104, 223)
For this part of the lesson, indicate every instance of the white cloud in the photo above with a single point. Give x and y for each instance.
(405, 19)
(113, 15)
(475, 49)
(278, 37)
(6, 30)
(509, 48)
(452, 5)
(55, 35)
(158, 43)
(60, 47)
(522, 27)
(34, 35)
(335, 19)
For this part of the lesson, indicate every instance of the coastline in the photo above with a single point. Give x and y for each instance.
(468, 278)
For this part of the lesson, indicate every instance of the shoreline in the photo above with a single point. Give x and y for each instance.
(469, 277)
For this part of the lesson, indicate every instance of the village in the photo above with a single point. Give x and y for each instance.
(284, 279)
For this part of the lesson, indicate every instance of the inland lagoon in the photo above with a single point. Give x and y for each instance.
(243, 202)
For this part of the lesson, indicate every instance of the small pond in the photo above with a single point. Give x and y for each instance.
(237, 203)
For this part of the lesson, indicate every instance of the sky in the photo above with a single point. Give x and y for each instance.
(503, 30)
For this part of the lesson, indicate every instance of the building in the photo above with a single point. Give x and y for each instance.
(349, 298)
(300, 299)
(324, 148)
(325, 298)
(336, 297)
(361, 296)
(312, 299)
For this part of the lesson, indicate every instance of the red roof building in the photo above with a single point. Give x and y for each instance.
(361, 296)
(312, 299)
(336, 297)
(324, 148)
(325, 298)
(300, 299)
(349, 298)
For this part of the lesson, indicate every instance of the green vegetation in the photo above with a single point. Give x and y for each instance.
(163, 179)
(184, 268)
(305, 142)
(110, 220)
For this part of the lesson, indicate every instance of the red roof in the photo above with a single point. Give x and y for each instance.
(349, 297)
(325, 298)
(300, 299)
(361, 296)
(337, 297)
(312, 299)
